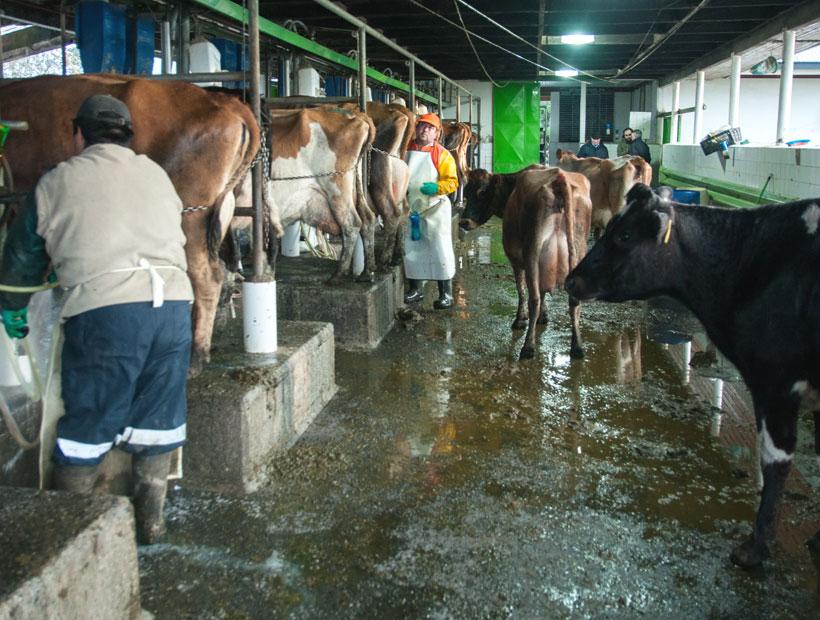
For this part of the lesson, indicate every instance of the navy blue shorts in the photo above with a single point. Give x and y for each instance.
(124, 375)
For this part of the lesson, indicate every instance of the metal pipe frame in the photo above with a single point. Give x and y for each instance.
(165, 41)
(225, 76)
(699, 92)
(412, 99)
(1, 46)
(256, 171)
(337, 10)
(62, 39)
(734, 92)
(673, 137)
(784, 108)
(582, 123)
(362, 47)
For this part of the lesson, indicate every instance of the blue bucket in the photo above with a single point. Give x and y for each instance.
(686, 196)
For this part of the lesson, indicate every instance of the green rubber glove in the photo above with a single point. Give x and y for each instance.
(16, 322)
(429, 189)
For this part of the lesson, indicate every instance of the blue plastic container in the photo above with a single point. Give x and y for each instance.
(100, 31)
(229, 58)
(139, 45)
(229, 61)
(336, 86)
(686, 196)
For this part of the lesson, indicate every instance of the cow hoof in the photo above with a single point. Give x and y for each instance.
(526, 353)
(543, 320)
(750, 554)
(520, 324)
(196, 365)
(366, 276)
(576, 353)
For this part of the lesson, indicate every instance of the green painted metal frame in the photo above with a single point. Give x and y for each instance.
(720, 192)
(272, 29)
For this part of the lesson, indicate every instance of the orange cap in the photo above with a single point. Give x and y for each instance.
(431, 119)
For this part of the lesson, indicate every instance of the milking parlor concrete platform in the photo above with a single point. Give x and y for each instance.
(67, 556)
(244, 408)
(71, 556)
(362, 313)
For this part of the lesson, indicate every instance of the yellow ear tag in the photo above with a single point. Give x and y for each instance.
(668, 232)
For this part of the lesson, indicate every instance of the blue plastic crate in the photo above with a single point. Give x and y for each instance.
(139, 45)
(100, 31)
(686, 196)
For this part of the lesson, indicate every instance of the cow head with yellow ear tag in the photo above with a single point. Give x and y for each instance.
(640, 234)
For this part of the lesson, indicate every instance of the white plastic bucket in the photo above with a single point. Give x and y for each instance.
(290, 240)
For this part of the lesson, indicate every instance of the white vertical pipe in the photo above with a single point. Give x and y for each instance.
(582, 126)
(673, 139)
(784, 109)
(699, 90)
(734, 92)
(166, 47)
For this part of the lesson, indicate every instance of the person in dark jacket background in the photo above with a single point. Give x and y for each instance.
(639, 147)
(594, 148)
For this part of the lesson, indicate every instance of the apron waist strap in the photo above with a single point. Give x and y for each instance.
(157, 282)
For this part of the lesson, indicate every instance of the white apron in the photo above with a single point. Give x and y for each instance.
(431, 257)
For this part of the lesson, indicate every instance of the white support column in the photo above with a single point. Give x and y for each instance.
(734, 92)
(784, 108)
(673, 138)
(582, 127)
(699, 88)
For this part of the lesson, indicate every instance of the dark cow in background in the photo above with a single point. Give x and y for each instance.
(546, 218)
(205, 142)
(752, 277)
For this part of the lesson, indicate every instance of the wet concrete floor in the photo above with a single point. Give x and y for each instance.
(448, 480)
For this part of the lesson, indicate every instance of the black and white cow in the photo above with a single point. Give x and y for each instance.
(752, 277)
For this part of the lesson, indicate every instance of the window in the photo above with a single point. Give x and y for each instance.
(600, 113)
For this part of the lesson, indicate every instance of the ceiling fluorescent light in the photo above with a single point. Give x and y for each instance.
(566, 73)
(577, 39)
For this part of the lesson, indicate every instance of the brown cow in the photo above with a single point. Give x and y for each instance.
(456, 138)
(609, 179)
(204, 141)
(315, 156)
(546, 218)
(389, 175)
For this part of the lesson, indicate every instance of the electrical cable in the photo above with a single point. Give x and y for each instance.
(535, 47)
(470, 41)
(477, 36)
(654, 47)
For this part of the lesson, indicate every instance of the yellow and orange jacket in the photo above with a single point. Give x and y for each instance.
(443, 162)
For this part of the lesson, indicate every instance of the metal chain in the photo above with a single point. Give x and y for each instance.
(188, 210)
(373, 148)
(266, 224)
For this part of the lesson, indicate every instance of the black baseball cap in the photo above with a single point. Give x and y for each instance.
(104, 110)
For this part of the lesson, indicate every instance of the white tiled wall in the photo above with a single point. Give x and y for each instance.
(796, 171)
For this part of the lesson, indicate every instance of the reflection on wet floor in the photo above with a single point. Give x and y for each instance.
(449, 480)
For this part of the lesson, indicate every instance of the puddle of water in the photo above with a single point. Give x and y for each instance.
(448, 479)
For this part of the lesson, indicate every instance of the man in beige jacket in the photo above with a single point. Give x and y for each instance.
(109, 222)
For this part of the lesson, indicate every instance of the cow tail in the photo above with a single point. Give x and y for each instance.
(563, 198)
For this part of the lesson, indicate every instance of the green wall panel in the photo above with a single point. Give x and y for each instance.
(516, 126)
